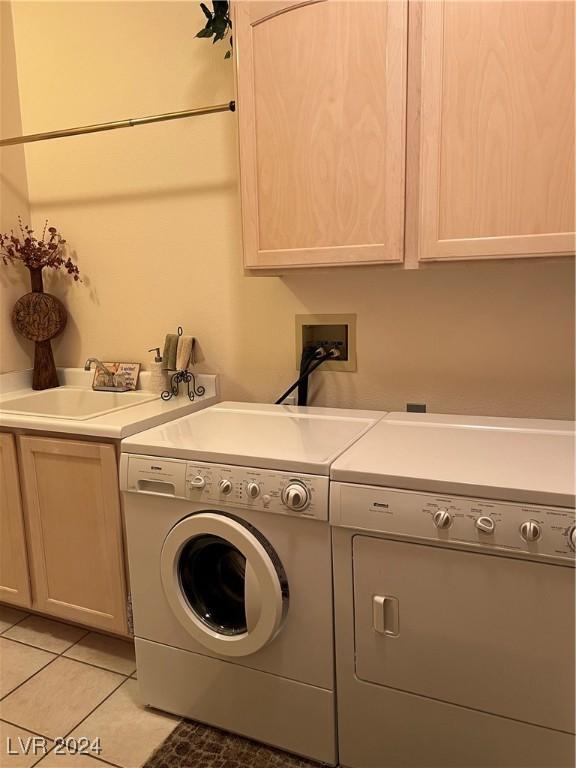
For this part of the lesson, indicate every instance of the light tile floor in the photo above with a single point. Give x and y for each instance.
(60, 681)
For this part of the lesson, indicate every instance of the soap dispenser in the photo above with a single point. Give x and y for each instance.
(158, 376)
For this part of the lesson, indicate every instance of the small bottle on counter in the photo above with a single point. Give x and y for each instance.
(157, 374)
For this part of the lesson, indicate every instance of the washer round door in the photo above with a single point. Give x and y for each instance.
(224, 582)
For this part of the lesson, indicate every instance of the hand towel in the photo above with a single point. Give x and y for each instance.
(169, 354)
(184, 352)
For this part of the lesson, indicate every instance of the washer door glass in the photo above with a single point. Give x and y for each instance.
(212, 575)
(224, 582)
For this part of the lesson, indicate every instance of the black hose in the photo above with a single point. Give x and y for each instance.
(312, 367)
(309, 354)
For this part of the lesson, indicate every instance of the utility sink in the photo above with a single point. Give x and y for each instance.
(73, 402)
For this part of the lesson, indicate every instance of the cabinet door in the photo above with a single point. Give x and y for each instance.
(14, 581)
(72, 504)
(497, 129)
(321, 90)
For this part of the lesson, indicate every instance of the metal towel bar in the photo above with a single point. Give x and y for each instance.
(229, 107)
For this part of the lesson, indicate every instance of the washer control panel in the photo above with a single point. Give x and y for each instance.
(226, 485)
(304, 495)
(530, 529)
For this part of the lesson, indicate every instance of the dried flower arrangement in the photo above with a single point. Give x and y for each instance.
(218, 22)
(38, 316)
(34, 253)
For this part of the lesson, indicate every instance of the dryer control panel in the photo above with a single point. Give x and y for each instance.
(530, 529)
(227, 486)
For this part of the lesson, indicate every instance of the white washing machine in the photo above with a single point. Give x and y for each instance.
(230, 568)
(453, 545)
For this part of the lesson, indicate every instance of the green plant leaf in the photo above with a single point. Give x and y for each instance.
(207, 13)
(218, 24)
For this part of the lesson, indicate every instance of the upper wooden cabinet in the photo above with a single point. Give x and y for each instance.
(496, 130)
(14, 582)
(321, 90)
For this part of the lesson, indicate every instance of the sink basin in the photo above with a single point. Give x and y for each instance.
(73, 402)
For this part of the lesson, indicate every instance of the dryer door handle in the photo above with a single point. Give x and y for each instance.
(386, 615)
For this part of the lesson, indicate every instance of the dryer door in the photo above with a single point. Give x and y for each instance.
(482, 631)
(224, 582)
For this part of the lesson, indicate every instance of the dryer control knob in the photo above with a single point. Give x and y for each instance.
(530, 531)
(253, 490)
(485, 524)
(225, 487)
(198, 482)
(442, 519)
(296, 496)
(572, 538)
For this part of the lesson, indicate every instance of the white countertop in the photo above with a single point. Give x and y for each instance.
(522, 460)
(289, 438)
(114, 424)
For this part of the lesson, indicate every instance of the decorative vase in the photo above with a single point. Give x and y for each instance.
(39, 316)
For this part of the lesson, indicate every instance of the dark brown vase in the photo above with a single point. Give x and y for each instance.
(36, 280)
(40, 317)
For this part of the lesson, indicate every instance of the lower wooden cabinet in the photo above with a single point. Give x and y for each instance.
(14, 579)
(71, 497)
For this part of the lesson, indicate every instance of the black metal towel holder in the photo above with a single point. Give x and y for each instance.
(183, 377)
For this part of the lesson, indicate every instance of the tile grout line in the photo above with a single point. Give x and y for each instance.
(66, 623)
(62, 654)
(101, 760)
(96, 666)
(84, 719)
(15, 623)
(53, 743)
(30, 730)
(83, 754)
(56, 653)
(50, 738)
(56, 656)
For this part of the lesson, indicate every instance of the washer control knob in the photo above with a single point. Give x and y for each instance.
(198, 482)
(485, 524)
(253, 490)
(442, 519)
(225, 487)
(530, 531)
(572, 538)
(296, 496)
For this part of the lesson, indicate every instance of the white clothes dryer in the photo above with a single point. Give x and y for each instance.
(453, 542)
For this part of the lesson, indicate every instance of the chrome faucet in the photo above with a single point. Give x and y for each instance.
(106, 380)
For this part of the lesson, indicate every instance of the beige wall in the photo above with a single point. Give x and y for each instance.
(153, 216)
(14, 350)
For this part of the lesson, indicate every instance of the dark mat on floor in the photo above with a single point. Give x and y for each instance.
(192, 745)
